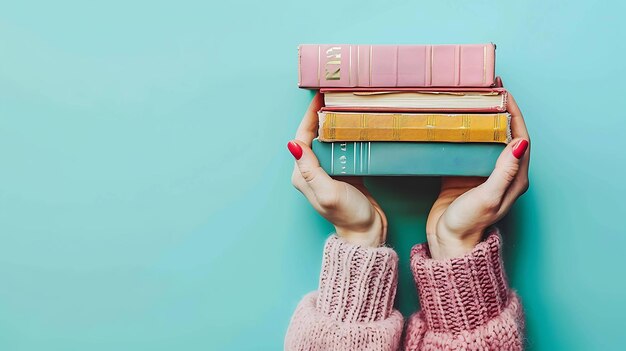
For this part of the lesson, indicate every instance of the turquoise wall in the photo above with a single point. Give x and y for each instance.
(145, 201)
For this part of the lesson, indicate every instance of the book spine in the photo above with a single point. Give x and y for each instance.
(340, 65)
(471, 128)
(407, 158)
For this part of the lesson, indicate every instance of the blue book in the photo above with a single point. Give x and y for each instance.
(379, 158)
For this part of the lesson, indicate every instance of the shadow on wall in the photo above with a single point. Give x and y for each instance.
(526, 260)
(406, 202)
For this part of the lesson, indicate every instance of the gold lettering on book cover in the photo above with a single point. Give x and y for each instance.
(431, 126)
(332, 125)
(396, 127)
(467, 127)
(496, 128)
(333, 63)
(363, 127)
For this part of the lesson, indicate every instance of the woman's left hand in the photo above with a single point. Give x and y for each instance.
(346, 203)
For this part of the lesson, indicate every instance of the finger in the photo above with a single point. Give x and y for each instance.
(518, 126)
(506, 170)
(323, 186)
(518, 129)
(299, 183)
(520, 184)
(515, 191)
(309, 125)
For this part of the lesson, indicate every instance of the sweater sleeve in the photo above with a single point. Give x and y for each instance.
(353, 307)
(466, 302)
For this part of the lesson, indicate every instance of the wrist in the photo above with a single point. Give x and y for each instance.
(461, 293)
(370, 236)
(448, 244)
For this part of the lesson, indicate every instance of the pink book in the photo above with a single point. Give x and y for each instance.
(373, 66)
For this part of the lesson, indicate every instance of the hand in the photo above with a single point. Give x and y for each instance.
(468, 205)
(347, 204)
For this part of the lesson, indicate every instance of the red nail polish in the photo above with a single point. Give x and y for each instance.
(295, 149)
(520, 148)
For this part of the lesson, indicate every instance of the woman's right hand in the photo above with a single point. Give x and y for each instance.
(347, 204)
(467, 206)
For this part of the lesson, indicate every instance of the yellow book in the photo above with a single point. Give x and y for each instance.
(436, 127)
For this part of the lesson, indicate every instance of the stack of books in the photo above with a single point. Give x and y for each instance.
(407, 109)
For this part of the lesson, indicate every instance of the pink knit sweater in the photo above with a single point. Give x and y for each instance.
(466, 303)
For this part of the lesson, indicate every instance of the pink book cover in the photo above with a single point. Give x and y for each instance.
(499, 90)
(363, 66)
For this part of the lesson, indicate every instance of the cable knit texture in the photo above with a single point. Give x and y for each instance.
(353, 308)
(466, 303)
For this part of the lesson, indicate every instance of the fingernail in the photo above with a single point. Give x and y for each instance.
(295, 149)
(520, 148)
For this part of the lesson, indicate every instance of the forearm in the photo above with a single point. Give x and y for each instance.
(466, 302)
(353, 308)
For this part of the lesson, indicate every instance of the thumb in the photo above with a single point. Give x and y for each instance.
(319, 181)
(507, 167)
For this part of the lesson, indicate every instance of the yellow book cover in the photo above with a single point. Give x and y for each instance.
(436, 127)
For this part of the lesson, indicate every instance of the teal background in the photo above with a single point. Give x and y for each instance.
(145, 200)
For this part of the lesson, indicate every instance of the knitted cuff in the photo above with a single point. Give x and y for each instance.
(461, 293)
(357, 283)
